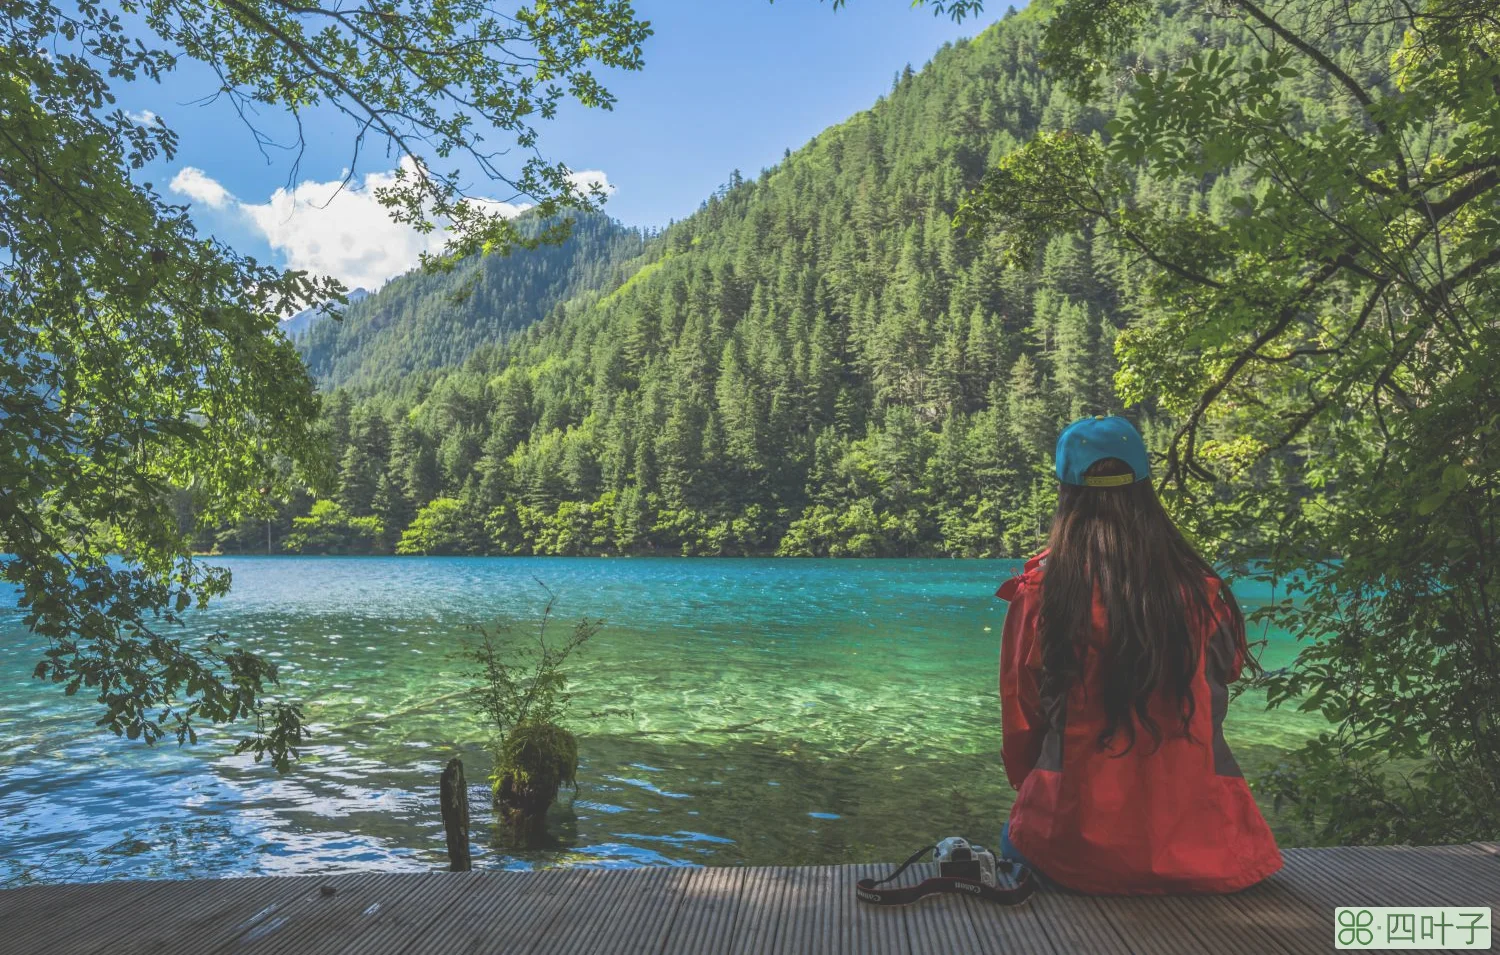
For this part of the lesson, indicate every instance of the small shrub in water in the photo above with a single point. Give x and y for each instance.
(522, 691)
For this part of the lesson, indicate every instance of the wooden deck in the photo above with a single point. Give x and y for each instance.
(719, 910)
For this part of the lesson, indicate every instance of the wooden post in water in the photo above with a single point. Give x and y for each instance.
(454, 796)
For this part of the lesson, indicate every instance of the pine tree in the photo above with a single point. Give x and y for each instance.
(421, 477)
(359, 474)
(394, 509)
(1082, 371)
(1029, 406)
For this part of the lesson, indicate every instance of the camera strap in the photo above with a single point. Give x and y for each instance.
(1024, 885)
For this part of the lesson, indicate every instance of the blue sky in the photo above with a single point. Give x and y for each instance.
(727, 84)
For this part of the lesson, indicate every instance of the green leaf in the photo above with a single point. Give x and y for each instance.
(1454, 477)
(1432, 502)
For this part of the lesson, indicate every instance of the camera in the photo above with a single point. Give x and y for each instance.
(957, 858)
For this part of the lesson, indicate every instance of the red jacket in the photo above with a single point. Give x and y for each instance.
(1178, 819)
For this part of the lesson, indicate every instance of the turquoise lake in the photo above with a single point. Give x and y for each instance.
(731, 711)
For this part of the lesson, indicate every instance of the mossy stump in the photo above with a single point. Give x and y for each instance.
(535, 761)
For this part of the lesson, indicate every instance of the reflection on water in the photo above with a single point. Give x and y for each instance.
(738, 711)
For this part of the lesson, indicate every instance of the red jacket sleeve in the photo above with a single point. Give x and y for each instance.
(1022, 722)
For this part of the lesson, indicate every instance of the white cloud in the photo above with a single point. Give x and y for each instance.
(586, 179)
(342, 232)
(197, 186)
(144, 118)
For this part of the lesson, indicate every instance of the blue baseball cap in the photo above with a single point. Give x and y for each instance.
(1088, 440)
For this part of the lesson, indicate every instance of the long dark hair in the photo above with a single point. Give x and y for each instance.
(1119, 543)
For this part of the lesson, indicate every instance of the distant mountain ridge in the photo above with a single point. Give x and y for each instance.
(299, 324)
(421, 321)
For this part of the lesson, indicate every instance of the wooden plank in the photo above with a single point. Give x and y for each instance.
(785, 906)
(1267, 917)
(1368, 876)
(299, 917)
(594, 917)
(18, 902)
(781, 887)
(61, 917)
(501, 911)
(864, 928)
(1491, 847)
(642, 924)
(820, 916)
(1147, 924)
(1381, 876)
(1334, 879)
(582, 914)
(794, 907)
(1074, 923)
(317, 920)
(548, 912)
(71, 916)
(850, 931)
(1296, 924)
(1324, 886)
(870, 929)
(706, 920)
(393, 918)
(939, 923)
(835, 915)
(225, 909)
(1440, 875)
(183, 900)
(825, 919)
(1327, 886)
(1228, 925)
(756, 922)
(1458, 871)
(810, 892)
(478, 898)
(90, 929)
(1010, 928)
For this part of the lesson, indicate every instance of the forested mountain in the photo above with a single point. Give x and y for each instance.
(814, 363)
(423, 321)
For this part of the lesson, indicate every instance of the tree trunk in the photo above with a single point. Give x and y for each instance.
(523, 808)
(454, 796)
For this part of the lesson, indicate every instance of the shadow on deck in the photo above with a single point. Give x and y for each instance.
(720, 910)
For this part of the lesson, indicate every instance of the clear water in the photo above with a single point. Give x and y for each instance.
(731, 711)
